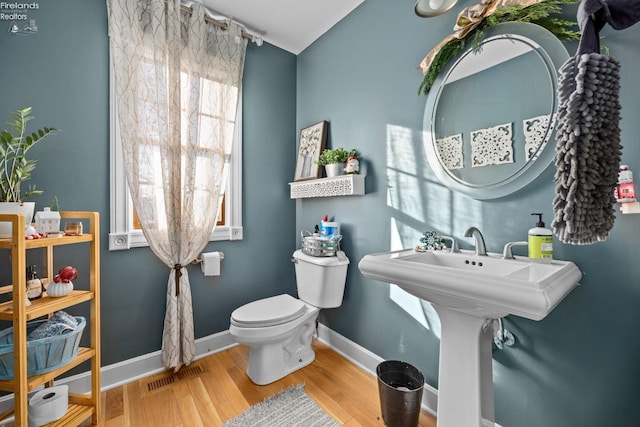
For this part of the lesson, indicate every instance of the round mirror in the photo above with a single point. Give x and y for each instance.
(491, 112)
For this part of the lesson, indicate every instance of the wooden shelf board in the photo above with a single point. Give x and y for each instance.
(34, 381)
(76, 415)
(9, 288)
(48, 241)
(46, 305)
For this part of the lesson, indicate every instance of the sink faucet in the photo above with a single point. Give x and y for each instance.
(507, 253)
(454, 243)
(481, 249)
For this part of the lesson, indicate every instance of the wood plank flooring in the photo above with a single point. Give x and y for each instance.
(217, 389)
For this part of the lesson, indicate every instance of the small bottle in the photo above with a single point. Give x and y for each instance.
(540, 241)
(323, 226)
(329, 229)
(625, 191)
(34, 284)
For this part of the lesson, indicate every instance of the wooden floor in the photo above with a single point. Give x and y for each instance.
(216, 388)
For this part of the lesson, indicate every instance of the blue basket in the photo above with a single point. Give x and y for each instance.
(43, 355)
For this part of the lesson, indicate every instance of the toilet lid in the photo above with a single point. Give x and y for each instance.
(269, 311)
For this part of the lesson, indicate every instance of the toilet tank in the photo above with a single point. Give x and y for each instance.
(321, 280)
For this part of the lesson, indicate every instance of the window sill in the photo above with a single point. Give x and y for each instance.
(135, 239)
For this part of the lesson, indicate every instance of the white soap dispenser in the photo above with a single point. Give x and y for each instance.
(540, 241)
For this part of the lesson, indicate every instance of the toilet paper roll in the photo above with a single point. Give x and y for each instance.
(47, 405)
(211, 263)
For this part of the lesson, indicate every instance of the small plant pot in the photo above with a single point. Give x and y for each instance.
(334, 169)
(26, 209)
(59, 289)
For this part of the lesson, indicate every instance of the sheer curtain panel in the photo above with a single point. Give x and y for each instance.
(177, 84)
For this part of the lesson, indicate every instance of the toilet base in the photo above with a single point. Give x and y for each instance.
(271, 362)
(262, 372)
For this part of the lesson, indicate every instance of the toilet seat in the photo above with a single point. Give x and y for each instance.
(268, 312)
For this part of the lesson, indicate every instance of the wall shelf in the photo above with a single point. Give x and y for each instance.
(630, 208)
(343, 185)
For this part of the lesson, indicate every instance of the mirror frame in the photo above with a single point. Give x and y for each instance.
(553, 53)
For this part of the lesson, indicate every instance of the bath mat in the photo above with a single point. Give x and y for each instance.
(291, 407)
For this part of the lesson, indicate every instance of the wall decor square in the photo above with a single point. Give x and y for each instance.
(492, 146)
(450, 151)
(536, 132)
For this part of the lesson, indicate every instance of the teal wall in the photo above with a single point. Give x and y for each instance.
(62, 72)
(577, 367)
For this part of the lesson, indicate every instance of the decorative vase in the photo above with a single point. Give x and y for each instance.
(334, 169)
(25, 208)
(59, 289)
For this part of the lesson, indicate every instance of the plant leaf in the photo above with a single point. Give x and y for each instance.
(14, 166)
(537, 13)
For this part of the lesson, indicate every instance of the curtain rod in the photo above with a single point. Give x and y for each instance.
(222, 25)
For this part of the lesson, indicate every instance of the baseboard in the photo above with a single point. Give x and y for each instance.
(368, 362)
(133, 369)
(143, 366)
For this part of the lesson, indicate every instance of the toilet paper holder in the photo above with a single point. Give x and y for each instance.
(199, 259)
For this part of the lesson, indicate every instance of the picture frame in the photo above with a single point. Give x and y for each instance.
(313, 140)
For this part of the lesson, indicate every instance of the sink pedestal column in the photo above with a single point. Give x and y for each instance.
(465, 384)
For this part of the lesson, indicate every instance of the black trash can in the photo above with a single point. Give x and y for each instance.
(400, 386)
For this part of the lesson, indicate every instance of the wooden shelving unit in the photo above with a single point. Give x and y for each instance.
(81, 407)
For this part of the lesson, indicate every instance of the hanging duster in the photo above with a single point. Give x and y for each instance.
(588, 148)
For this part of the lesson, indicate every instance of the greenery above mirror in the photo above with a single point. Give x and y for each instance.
(475, 19)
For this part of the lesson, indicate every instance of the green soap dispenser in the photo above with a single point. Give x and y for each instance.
(540, 241)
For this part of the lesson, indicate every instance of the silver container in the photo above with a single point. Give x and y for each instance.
(319, 246)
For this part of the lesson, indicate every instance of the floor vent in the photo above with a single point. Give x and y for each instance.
(191, 371)
(165, 379)
(160, 382)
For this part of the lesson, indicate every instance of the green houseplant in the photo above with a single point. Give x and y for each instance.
(333, 160)
(15, 168)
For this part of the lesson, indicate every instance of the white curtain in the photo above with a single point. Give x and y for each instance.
(177, 84)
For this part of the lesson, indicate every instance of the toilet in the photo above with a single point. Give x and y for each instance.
(279, 329)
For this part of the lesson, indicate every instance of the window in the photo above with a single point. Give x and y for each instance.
(125, 232)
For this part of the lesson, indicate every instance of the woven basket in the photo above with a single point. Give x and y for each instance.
(43, 355)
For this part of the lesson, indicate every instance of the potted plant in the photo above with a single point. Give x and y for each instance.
(15, 168)
(334, 160)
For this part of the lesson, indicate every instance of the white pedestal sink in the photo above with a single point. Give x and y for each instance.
(468, 292)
